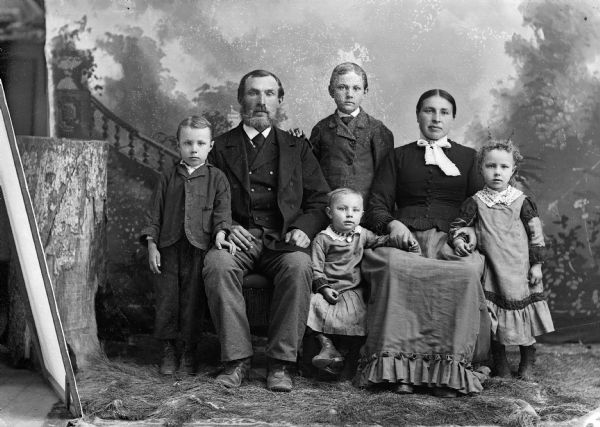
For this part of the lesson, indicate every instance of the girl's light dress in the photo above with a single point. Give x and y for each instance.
(509, 234)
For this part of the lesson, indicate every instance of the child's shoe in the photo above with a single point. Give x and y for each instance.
(501, 366)
(168, 364)
(329, 359)
(527, 361)
(186, 363)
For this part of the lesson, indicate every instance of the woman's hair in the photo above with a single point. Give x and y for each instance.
(437, 92)
(348, 67)
(196, 122)
(508, 146)
(337, 193)
(258, 73)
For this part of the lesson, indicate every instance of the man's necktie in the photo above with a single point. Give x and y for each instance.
(347, 119)
(258, 140)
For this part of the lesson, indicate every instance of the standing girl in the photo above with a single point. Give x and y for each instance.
(509, 233)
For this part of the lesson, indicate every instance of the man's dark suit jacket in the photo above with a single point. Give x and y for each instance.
(301, 191)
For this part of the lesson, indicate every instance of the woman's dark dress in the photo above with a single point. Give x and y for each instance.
(425, 312)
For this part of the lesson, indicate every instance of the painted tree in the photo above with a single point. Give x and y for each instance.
(551, 109)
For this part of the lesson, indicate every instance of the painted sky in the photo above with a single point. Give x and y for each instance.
(406, 47)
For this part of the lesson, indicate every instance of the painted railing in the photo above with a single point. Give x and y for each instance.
(106, 125)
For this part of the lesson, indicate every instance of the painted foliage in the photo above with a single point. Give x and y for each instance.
(528, 70)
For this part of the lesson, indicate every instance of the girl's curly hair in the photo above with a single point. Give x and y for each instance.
(508, 146)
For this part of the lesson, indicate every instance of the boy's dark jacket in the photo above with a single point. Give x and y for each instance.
(301, 190)
(197, 206)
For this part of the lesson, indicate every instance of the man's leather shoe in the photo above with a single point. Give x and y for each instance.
(168, 365)
(279, 378)
(186, 363)
(234, 373)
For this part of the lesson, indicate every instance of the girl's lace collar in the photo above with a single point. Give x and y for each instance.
(506, 197)
(329, 231)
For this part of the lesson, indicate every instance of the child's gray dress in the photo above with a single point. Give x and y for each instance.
(509, 234)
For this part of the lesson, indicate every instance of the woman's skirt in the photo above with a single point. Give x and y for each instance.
(424, 316)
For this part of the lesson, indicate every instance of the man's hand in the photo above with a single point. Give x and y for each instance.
(241, 237)
(297, 132)
(153, 257)
(221, 243)
(400, 235)
(462, 248)
(297, 237)
(330, 295)
(535, 275)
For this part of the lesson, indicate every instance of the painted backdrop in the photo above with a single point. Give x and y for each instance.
(522, 69)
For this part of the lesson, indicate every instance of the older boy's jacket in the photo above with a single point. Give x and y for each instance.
(338, 149)
(301, 189)
(196, 206)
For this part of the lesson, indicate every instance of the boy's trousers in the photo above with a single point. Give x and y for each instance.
(180, 299)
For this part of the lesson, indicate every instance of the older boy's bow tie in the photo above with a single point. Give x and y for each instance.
(434, 155)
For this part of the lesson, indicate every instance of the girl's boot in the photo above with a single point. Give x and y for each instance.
(501, 366)
(329, 358)
(527, 361)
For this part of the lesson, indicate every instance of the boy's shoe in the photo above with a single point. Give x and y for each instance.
(234, 373)
(186, 362)
(527, 360)
(279, 378)
(168, 364)
(501, 366)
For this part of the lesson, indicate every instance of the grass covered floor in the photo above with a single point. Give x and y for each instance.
(567, 386)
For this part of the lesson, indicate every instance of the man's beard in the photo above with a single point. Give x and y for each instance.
(259, 123)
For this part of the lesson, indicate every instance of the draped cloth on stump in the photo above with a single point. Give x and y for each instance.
(425, 315)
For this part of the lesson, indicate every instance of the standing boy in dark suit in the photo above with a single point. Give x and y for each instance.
(278, 199)
(350, 144)
(190, 209)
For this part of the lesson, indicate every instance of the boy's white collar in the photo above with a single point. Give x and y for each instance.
(354, 114)
(189, 168)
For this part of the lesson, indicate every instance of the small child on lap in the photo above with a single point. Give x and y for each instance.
(190, 209)
(509, 234)
(337, 307)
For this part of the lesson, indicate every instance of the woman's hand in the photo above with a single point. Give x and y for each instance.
(470, 233)
(461, 247)
(535, 275)
(330, 295)
(153, 257)
(400, 235)
(221, 242)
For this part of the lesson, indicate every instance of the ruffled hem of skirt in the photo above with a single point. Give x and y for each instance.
(520, 327)
(432, 370)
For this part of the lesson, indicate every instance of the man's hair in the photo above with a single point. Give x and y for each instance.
(339, 192)
(437, 92)
(196, 122)
(348, 67)
(508, 146)
(258, 73)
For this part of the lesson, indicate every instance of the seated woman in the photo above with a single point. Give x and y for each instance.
(425, 313)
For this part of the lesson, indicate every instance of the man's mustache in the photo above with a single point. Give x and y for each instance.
(260, 108)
